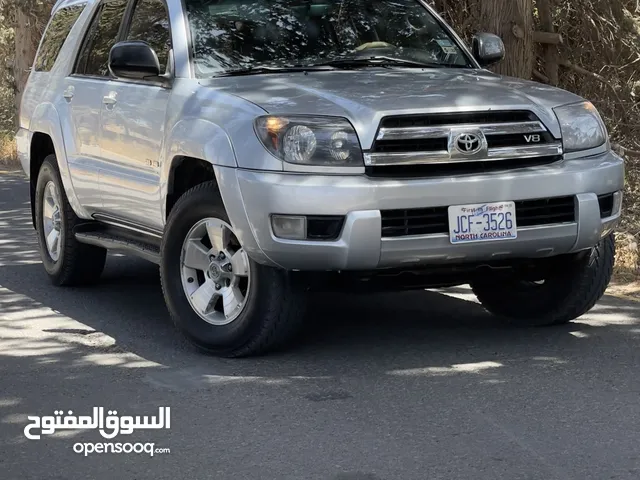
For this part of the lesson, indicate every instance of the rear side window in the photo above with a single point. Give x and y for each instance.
(57, 32)
(101, 36)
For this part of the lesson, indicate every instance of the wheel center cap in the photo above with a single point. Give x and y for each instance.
(214, 271)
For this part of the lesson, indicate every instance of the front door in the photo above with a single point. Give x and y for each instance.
(133, 127)
(83, 92)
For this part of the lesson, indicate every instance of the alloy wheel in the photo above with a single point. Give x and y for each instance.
(52, 220)
(215, 271)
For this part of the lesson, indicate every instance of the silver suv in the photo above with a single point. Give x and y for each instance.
(260, 149)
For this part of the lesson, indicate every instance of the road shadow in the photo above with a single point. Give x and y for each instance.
(384, 331)
(343, 332)
(387, 331)
(406, 368)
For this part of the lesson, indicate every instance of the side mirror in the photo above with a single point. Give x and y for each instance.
(488, 49)
(134, 60)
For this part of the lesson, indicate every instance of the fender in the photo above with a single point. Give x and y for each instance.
(205, 140)
(196, 138)
(45, 119)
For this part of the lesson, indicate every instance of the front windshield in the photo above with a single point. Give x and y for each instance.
(236, 35)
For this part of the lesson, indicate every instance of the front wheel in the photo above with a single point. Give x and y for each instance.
(224, 302)
(568, 293)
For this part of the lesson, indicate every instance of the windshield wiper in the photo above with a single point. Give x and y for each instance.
(344, 63)
(258, 70)
(380, 61)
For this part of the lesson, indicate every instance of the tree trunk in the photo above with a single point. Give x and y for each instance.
(545, 10)
(27, 37)
(500, 17)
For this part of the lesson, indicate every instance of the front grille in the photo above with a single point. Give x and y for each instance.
(547, 211)
(419, 221)
(435, 220)
(427, 144)
(405, 121)
(418, 145)
(441, 144)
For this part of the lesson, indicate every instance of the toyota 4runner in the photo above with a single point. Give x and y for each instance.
(258, 149)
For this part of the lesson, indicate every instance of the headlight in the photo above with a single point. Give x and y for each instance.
(582, 127)
(311, 141)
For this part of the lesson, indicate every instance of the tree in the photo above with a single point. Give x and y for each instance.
(513, 21)
(31, 18)
(27, 19)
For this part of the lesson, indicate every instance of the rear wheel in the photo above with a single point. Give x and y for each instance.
(571, 291)
(223, 301)
(67, 261)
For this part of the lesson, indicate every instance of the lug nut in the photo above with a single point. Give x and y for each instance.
(221, 256)
(228, 267)
(218, 286)
(212, 258)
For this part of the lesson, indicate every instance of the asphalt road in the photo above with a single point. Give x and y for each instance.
(412, 386)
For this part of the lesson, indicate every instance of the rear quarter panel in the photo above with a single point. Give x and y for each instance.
(41, 110)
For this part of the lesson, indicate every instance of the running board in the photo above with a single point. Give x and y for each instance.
(141, 249)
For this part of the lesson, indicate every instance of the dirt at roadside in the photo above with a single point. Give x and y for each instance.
(626, 276)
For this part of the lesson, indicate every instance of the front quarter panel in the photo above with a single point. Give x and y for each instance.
(202, 139)
(211, 125)
(201, 116)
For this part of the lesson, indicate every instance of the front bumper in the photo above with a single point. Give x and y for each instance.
(252, 196)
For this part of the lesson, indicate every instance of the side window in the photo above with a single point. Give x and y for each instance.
(55, 36)
(101, 36)
(150, 23)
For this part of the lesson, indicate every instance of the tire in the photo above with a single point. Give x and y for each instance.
(571, 292)
(75, 263)
(273, 306)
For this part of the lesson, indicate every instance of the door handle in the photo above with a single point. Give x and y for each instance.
(68, 94)
(109, 99)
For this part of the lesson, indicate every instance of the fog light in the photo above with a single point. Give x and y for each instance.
(289, 227)
(617, 203)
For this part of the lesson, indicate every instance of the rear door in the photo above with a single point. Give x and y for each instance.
(83, 93)
(133, 126)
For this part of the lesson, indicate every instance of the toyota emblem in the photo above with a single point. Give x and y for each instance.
(468, 143)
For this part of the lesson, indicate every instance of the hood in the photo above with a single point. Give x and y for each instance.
(366, 96)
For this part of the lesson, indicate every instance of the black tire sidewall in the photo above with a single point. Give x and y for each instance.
(572, 293)
(216, 338)
(49, 173)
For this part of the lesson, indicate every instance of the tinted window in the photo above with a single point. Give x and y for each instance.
(57, 32)
(231, 35)
(102, 35)
(150, 23)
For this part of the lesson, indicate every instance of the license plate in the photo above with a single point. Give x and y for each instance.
(485, 222)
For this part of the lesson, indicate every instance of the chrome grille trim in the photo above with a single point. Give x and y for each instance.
(437, 157)
(506, 153)
(443, 131)
(408, 158)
